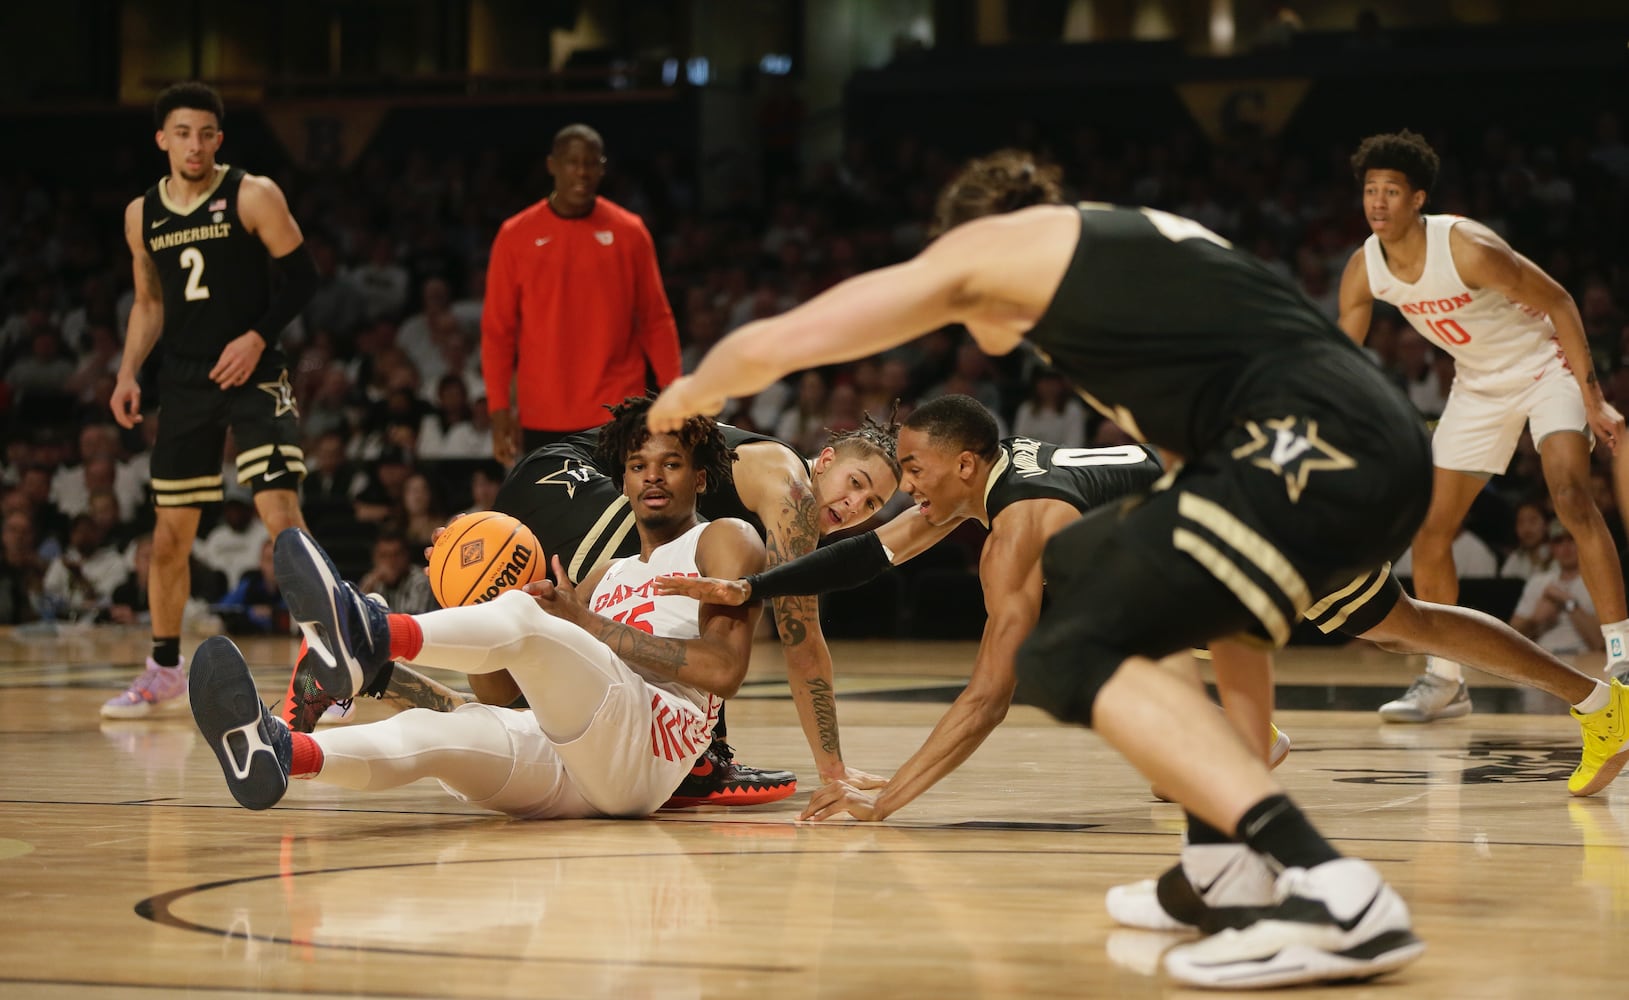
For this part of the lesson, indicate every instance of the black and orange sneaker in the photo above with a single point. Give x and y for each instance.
(305, 703)
(717, 780)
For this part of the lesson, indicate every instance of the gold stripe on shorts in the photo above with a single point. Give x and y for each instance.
(1244, 540)
(1339, 618)
(1249, 593)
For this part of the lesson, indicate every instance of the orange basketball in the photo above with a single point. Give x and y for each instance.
(482, 555)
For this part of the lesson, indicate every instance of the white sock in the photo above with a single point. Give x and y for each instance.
(1596, 701)
(1446, 669)
(1617, 641)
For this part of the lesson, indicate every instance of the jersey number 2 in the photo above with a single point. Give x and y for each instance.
(193, 260)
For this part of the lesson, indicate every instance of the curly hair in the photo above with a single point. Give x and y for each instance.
(872, 439)
(960, 422)
(1004, 181)
(1405, 152)
(191, 95)
(627, 433)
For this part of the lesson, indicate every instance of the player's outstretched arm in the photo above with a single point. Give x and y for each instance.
(146, 322)
(996, 274)
(1485, 260)
(1010, 573)
(842, 565)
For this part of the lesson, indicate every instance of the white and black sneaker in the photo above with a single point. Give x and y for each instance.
(348, 635)
(1213, 887)
(1336, 922)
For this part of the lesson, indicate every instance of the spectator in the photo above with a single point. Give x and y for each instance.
(803, 424)
(337, 305)
(233, 546)
(450, 432)
(483, 486)
(43, 372)
(403, 585)
(1532, 554)
(1555, 609)
(130, 603)
(82, 578)
(422, 511)
(574, 304)
(382, 281)
(23, 573)
(1052, 413)
(256, 604)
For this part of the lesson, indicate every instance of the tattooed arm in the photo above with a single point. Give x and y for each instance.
(716, 660)
(778, 489)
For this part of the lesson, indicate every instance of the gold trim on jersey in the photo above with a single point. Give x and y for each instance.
(1244, 540)
(198, 202)
(1339, 618)
(189, 499)
(574, 571)
(1249, 593)
(264, 451)
(996, 470)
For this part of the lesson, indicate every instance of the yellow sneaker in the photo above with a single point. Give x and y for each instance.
(1606, 744)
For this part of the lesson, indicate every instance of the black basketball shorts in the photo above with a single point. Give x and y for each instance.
(193, 417)
(576, 511)
(1238, 544)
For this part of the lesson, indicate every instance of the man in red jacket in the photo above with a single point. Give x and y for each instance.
(574, 295)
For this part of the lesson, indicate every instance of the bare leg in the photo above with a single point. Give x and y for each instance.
(1173, 734)
(1566, 472)
(1478, 640)
(1244, 679)
(1435, 577)
(171, 578)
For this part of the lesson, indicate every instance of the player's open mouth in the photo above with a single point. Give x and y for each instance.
(831, 512)
(654, 498)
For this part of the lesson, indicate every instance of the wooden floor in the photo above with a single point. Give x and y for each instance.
(126, 869)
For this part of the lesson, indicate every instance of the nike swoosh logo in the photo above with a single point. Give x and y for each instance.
(275, 475)
(160, 222)
(544, 241)
(1202, 889)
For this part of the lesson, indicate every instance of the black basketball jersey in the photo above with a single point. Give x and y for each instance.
(724, 502)
(1170, 331)
(1082, 477)
(216, 274)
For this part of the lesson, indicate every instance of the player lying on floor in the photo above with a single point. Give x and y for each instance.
(619, 713)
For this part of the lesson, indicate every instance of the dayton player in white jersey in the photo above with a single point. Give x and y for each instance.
(1520, 358)
(623, 700)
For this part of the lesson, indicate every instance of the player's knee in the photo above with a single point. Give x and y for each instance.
(1063, 677)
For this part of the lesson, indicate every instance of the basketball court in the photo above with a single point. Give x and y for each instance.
(127, 871)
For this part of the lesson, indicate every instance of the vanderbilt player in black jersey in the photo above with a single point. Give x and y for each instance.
(220, 268)
(1301, 469)
(563, 493)
(955, 468)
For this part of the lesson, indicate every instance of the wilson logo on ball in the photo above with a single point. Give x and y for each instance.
(471, 553)
(512, 573)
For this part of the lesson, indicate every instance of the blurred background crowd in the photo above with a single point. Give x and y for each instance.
(385, 361)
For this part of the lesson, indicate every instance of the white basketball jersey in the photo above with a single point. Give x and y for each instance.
(627, 594)
(1496, 343)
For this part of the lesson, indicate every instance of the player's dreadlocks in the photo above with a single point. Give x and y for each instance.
(1004, 181)
(627, 433)
(1405, 152)
(872, 438)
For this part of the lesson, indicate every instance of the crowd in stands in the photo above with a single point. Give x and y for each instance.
(385, 359)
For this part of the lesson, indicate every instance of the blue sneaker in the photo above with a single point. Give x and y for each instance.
(348, 635)
(252, 744)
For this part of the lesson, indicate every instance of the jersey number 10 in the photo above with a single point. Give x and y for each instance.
(1449, 331)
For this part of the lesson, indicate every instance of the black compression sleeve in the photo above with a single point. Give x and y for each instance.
(838, 566)
(297, 282)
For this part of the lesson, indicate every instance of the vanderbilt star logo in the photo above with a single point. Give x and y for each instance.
(281, 391)
(1292, 452)
(572, 475)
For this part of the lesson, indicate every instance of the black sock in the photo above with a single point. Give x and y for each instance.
(167, 652)
(1201, 832)
(1276, 828)
(721, 732)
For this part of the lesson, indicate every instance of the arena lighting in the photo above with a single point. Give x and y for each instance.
(775, 64)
